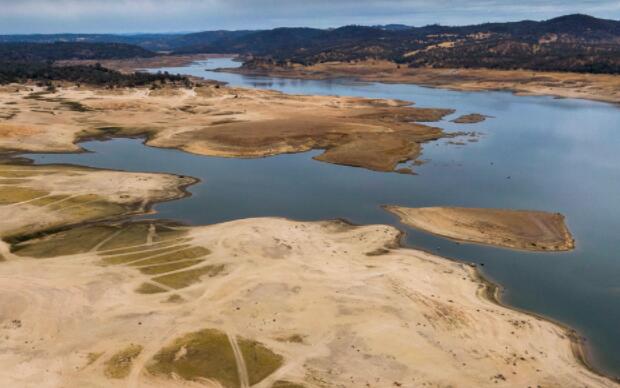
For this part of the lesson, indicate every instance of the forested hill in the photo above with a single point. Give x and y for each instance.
(29, 52)
(23, 62)
(569, 43)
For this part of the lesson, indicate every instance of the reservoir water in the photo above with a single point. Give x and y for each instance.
(535, 153)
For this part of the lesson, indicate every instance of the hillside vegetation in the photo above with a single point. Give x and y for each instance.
(570, 43)
(22, 62)
(577, 43)
(25, 51)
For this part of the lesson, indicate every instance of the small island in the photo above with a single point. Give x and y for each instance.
(472, 118)
(516, 229)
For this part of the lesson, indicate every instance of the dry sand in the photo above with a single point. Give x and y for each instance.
(219, 121)
(599, 87)
(518, 229)
(320, 304)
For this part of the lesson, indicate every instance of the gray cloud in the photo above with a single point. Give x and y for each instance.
(46, 16)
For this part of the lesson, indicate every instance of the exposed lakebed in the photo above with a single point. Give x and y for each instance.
(536, 153)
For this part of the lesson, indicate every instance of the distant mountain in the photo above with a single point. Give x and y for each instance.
(274, 42)
(153, 42)
(393, 27)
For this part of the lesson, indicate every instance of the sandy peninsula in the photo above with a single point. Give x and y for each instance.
(264, 303)
(517, 229)
(35, 199)
(598, 87)
(220, 121)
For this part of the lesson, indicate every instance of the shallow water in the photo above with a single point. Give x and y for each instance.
(536, 153)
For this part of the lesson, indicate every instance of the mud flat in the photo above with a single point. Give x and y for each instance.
(517, 229)
(220, 121)
(268, 303)
(598, 87)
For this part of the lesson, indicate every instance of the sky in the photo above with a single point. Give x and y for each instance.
(131, 16)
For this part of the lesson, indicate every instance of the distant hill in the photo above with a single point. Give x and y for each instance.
(23, 62)
(152, 42)
(33, 52)
(568, 43)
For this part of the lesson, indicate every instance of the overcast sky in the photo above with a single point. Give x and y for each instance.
(125, 16)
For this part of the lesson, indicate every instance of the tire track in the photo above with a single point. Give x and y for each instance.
(244, 380)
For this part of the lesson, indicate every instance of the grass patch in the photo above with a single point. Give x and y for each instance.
(131, 234)
(174, 298)
(294, 338)
(9, 195)
(259, 360)
(119, 365)
(9, 173)
(48, 199)
(88, 207)
(187, 278)
(159, 269)
(75, 106)
(36, 95)
(128, 257)
(135, 234)
(70, 242)
(164, 233)
(13, 181)
(148, 288)
(180, 254)
(286, 384)
(93, 357)
(141, 248)
(204, 354)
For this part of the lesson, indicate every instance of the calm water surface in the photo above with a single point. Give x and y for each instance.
(536, 153)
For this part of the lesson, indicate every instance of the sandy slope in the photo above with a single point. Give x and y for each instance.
(361, 312)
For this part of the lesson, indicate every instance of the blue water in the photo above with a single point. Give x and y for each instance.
(536, 153)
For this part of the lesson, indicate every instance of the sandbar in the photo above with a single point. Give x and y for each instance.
(517, 229)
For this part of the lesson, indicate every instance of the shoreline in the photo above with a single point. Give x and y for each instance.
(492, 290)
(534, 83)
(137, 64)
(410, 299)
(592, 87)
(371, 133)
